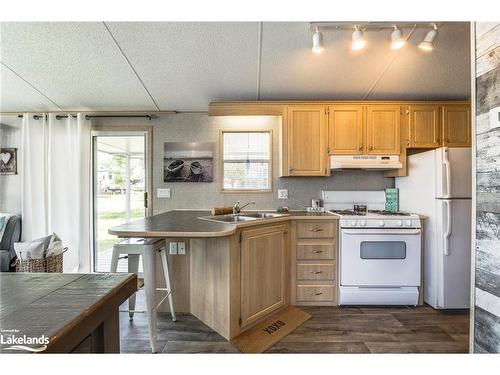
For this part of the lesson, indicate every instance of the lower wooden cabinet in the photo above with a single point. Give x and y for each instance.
(264, 265)
(314, 262)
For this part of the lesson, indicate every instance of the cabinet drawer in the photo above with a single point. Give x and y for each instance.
(315, 293)
(306, 271)
(323, 250)
(316, 229)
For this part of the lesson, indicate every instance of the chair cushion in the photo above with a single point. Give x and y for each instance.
(4, 260)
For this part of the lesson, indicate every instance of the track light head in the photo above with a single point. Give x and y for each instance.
(317, 42)
(358, 39)
(427, 43)
(397, 40)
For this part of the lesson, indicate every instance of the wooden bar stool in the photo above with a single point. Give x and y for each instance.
(147, 248)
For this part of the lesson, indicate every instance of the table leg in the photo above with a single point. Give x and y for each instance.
(149, 266)
(133, 267)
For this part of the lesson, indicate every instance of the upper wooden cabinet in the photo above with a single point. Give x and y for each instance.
(360, 129)
(424, 126)
(456, 129)
(305, 134)
(264, 265)
(383, 129)
(346, 129)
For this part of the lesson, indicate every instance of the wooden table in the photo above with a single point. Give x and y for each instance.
(77, 312)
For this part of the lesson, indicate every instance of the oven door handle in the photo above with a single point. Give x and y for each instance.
(381, 232)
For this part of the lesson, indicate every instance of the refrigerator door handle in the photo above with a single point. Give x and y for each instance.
(447, 167)
(447, 234)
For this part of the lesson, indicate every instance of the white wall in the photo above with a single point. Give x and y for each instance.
(10, 185)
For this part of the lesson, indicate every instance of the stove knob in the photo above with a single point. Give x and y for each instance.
(362, 223)
(353, 223)
(408, 223)
(381, 223)
(399, 223)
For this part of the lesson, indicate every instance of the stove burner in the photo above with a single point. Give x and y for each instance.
(388, 213)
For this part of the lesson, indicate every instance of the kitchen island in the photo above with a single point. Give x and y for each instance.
(234, 275)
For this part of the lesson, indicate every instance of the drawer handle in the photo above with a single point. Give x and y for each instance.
(316, 294)
(316, 272)
(316, 251)
(316, 230)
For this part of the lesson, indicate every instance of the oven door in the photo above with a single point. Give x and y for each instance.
(383, 258)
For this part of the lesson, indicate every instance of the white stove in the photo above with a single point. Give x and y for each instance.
(380, 251)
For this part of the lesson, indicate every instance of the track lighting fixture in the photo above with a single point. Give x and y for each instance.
(397, 40)
(427, 43)
(317, 42)
(358, 39)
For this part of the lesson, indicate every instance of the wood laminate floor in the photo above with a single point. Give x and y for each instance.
(331, 330)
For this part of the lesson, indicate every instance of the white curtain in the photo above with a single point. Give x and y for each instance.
(56, 184)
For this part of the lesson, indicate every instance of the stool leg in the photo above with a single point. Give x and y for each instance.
(166, 273)
(114, 260)
(133, 267)
(149, 266)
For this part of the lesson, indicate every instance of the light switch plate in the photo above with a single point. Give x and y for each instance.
(181, 248)
(282, 193)
(163, 193)
(173, 248)
(495, 118)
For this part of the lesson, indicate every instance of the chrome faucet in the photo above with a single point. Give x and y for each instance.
(237, 209)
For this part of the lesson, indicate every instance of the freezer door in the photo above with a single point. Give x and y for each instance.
(453, 253)
(453, 173)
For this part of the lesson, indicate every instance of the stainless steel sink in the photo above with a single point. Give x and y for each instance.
(242, 217)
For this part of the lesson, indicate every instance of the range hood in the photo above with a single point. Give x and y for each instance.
(372, 162)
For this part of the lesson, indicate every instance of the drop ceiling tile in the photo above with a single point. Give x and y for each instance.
(17, 96)
(187, 65)
(443, 73)
(76, 64)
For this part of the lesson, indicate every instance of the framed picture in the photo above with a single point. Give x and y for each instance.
(188, 161)
(8, 161)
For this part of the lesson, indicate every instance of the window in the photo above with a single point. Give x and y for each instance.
(246, 160)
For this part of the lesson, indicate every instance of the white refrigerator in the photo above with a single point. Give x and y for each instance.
(439, 186)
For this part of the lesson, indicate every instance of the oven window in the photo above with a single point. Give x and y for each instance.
(383, 250)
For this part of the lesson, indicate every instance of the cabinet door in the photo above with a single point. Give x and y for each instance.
(456, 126)
(263, 271)
(424, 126)
(383, 129)
(307, 149)
(345, 129)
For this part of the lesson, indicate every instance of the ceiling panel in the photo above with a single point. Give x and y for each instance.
(291, 70)
(77, 65)
(17, 96)
(187, 65)
(441, 74)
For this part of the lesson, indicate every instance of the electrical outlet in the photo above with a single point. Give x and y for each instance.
(173, 248)
(282, 193)
(163, 193)
(181, 248)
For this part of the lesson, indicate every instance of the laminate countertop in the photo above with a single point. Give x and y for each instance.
(179, 223)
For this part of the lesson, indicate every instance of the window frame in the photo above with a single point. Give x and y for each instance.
(271, 160)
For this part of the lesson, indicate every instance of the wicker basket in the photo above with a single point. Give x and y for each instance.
(49, 264)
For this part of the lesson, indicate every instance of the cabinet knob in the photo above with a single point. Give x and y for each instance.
(371, 148)
(316, 230)
(290, 169)
(316, 272)
(316, 251)
(316, 294)
(360, 148)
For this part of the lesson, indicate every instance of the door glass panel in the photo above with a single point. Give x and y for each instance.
(119, 187)
(383, 250)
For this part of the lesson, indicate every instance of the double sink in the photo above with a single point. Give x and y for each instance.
(242, 217)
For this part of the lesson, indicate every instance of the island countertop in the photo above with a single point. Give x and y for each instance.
(180, 223)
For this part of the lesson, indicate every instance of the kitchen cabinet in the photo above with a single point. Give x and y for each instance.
(383, 129)
(305, 133)
(346, 129)
(359, 129)
(314, 262)
(263, 271)
(424, 126)
(456, 129)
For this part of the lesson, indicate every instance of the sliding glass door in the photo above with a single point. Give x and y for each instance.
(120, 188)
